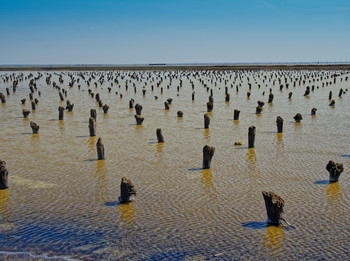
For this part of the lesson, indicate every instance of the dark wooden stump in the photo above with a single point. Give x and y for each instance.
(127, 189)
(340, 92)
(236, 115)
(143, 91)
(160, 135)
(7, 91)
(69, 106)
(166, 105)
(332, 103)
(93, 114)
(30, 96)
(92, 126)
(210, 106)
(138, 109)
(3, 175)
(131, 104)
(193, 96)
(274, 208)
(258, 110)
(169, 100)
(100, 104)
(208, 153)
(290, 95)
(100, 149)
(105, 108)
(60, 113)
(36, 101)
(61, 96)
(330, 95)
(23, 101)
(334, 169)
(25, 113)
(261, 103)
(180, 114)
(279, 123)
(227, 97)
(35, 127)
(270, 98)
(307, 91)
(251, 136)
(33, 106)
(248, 95)
(139, 119)
(298, 117)
(211, 99)
(313, 111)
(206, 121)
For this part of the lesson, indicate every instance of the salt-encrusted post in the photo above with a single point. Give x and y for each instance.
(334, 169)
(35, 127)
(274, 208)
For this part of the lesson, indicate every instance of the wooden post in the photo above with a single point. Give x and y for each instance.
(92, 127)
(258, 110)
(251, 136)
(332, 103)
(193, 96)
(131, 104)
(270, 98)
(274, 208)
(206, 121)
(340, 92)
(236, 115)
(93, 114)
(330, 95)
(307, 91)
(60, 113)
(3, 175)
(290, 95)
(105, 108)
(25, 113)
(61, 96)
(138, 109)
(208, 153)
(160, 135)
(279, 123)
(166, 105)
(169, 100)
(35, 127)
(180, 114)
(100, 149)
(127, 189)
(33, 106)
(139, 119)
(313, 111)
(227, 97)
(210, 106)
(334, 169)
(23, 101)
(298, 117)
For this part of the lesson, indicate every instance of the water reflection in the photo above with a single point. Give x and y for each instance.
(207, 180)
(5, 213)
(206, 134)
(127, 214)
(334, 193)
(280, 143)
(273, 238)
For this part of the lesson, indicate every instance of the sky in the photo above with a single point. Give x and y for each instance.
(173, 31)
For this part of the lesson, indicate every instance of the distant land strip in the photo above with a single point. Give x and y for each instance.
(165, 67)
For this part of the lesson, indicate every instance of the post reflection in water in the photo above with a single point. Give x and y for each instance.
(206, 134)
(334, 193)
(101, 183)
(5, 213)
(273, 239)
(207, 180)
(127, 214)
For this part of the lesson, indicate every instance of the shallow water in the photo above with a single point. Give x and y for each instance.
(62, 202)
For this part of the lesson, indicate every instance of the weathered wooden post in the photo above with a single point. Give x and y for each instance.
(307, 91)
(340, 92)
(3, 175)
(35, 127)
(313, 111)
(127, 189)
(25, 113)
(227, 97)
(3, 98)
(93, 114)
(206, 121)
(138, 109)
(33, 106)
(180, 114)
(159, 135)
(60, 113)
(210, 106)
(298, 117)
(139, 119)
(131, 104)
(330, 95)
(334, 169)
(166, 105)
(92, 127)
(61, 96)
(23, 101)
(251, 136)
(248, 95)
(105, 108)
(193, 96)
(290, 95)
(100, 149)
(208, 153)
(274, 208)
(236, 115)
(270, 98)
(69, 106)
(258, 110)
(332, 103)
(169, 100)
(279, 123)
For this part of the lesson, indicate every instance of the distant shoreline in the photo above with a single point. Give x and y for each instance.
(165, 67)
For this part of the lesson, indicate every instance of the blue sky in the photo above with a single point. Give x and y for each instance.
(181, 31)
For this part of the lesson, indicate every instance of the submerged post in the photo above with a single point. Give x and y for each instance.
(100, 149)
(35, 127)
(274, 208)
(334, 169)
(159, 135)
(236, 115)
(127, 189)
(279, 123)
(251, 136)
(298, 117)
(105, 108)
(60, 113)
(180, 114)
(313, 111)
(208, 153)
(206, 121)
(92, 127)
(25, 113)
(3, 175)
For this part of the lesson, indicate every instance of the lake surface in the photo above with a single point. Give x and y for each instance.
(63, 204)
